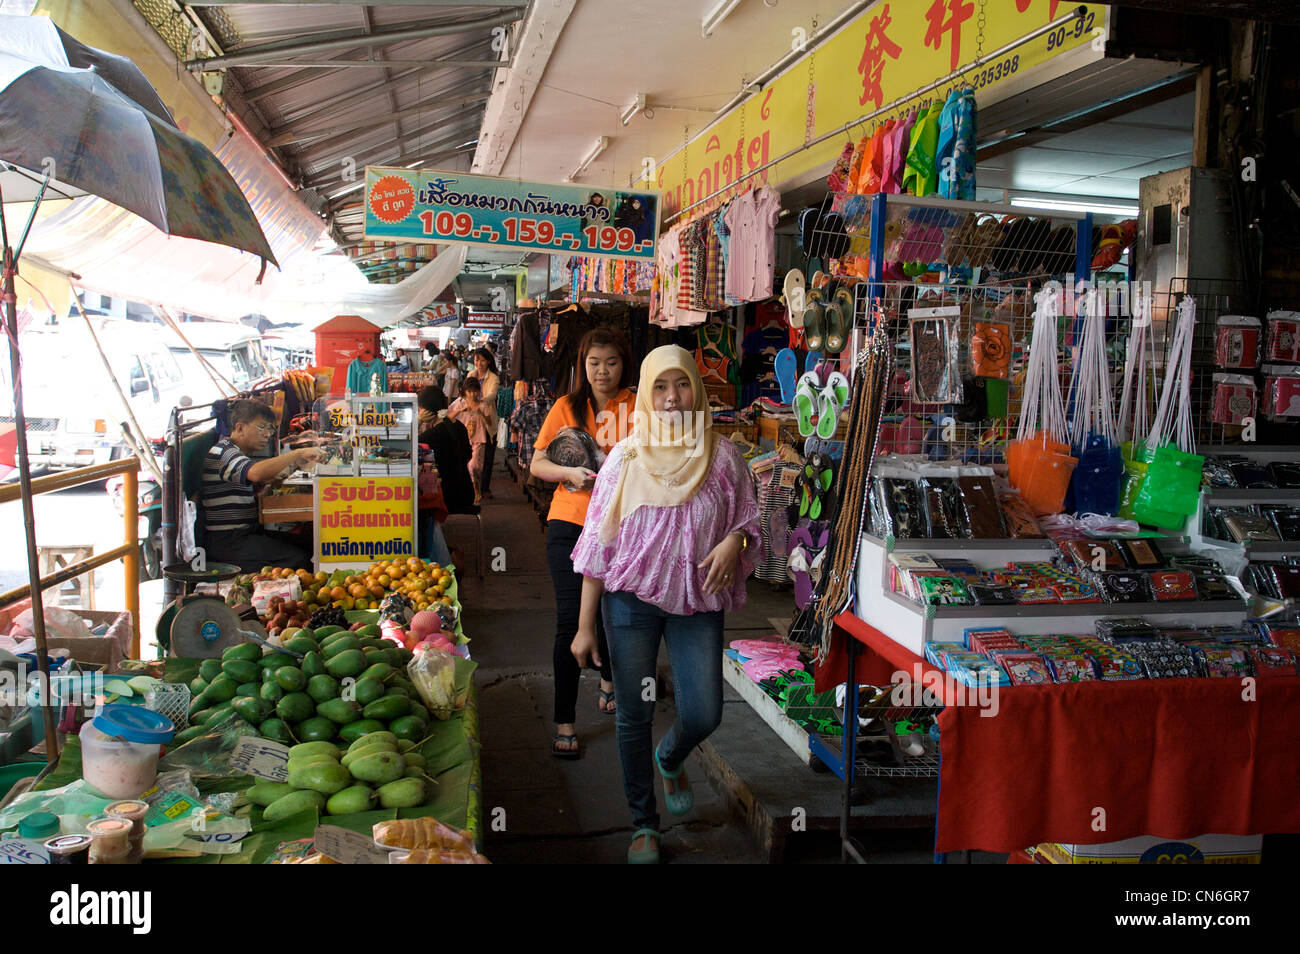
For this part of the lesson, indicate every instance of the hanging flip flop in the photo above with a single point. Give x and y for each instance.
(814, 321)
(796, 299)
(839, 319)
(786, 366)
(834, 396)
(805, 403)
(798, 566)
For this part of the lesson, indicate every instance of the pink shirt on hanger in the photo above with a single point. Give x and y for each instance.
(752, 220)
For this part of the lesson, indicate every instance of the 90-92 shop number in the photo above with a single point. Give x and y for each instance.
(527, 231)
(1058, 36)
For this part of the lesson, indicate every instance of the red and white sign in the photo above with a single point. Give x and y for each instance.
(485, 320)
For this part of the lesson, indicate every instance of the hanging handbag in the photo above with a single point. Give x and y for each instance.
(1095, 484)
(1039, 462)
(1171, 489)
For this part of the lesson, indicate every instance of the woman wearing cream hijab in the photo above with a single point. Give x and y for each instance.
(667, 545)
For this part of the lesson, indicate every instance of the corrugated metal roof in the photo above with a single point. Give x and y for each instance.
(324, 122)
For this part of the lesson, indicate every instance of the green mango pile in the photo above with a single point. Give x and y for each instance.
(347, 685)
(378, 767)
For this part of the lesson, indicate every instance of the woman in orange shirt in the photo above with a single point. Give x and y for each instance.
(602, 405)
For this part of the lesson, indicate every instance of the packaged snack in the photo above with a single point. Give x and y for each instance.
(1273, 662)
(1078, 668)
(1283, 337)
(1236, 341)
(1224, 661)
(1026, 669)
(943, 591)
(426, 833)
(1235, 399)
(1116, 667)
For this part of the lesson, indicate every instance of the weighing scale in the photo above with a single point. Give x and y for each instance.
(197, 625)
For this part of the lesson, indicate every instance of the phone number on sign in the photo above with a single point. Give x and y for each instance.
(992, 74)
(526, 231)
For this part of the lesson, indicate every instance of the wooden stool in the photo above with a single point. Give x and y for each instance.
(77, 593)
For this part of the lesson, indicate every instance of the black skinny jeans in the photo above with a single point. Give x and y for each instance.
(489, 458)
(561, 537)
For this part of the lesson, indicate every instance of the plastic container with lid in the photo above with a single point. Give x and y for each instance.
(120, 749)
(38, 826)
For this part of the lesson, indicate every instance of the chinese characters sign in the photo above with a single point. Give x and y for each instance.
(360, 519)
(432, 206)
(892, 49)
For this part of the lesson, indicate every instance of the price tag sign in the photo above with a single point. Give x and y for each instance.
(262, 758)
(20, 851)
(348, 847)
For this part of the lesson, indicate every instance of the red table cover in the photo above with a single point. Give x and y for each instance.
(1089, 763)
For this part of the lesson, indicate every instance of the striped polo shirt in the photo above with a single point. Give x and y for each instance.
(228, 499)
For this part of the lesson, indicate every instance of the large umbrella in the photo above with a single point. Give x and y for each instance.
(78, 121)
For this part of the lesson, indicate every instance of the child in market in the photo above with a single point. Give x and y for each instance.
(470, 411)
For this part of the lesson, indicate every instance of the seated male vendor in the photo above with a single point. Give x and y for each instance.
(233, 533)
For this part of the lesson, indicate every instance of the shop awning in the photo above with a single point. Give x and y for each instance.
(117, 253)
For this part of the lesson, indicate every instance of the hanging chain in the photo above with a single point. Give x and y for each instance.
(812, 56)
(979, 36)
(740, 160)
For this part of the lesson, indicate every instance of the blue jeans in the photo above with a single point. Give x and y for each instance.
(634, 629)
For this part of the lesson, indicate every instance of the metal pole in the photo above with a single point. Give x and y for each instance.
(1075, 14)
(131, 562)
(171, 503)
(25, 482)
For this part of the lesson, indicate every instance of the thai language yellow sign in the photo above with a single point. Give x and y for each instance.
(895, 47)
(360, 519)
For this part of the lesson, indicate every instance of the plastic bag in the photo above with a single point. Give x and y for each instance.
(208, 755)
(936, 369)
(1171, 490)
(60, 623)
(433, 672)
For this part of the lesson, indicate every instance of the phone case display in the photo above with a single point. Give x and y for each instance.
(899, 508)
(980, 507)
(1173, 585)
(1236, 341)
(991, 348)
(1124, 587)
(943, 512)
(1235, 399)
(1283, 337)
(936, 369)
(1018, 518)
(1281, 398)
(1141, 554)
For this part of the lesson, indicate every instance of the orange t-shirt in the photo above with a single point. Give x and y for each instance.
(571, 505)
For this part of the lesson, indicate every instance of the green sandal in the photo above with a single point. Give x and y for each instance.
(644, 856)
(681, 801)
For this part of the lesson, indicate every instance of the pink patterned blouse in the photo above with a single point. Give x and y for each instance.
(658, 550)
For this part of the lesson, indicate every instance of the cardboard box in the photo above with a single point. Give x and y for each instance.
(286, 508)
(102, 651)
(1148, 850)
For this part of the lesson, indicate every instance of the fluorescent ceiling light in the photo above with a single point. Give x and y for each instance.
(601, 145)
(1061, 205)
(715, 16)
(636, 107)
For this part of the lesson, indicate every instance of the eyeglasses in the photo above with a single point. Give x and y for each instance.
(264, 428)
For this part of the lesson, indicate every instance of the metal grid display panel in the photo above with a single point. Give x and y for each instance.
(1005, 245)
(936, 430)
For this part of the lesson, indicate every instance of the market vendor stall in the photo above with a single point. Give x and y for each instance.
(367, 718)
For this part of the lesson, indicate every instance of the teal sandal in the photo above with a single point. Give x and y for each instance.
(681, 801)
(644, 856)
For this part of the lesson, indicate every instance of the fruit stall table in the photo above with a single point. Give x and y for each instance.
(452, 760)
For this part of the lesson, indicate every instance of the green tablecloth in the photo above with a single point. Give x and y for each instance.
(451, 753)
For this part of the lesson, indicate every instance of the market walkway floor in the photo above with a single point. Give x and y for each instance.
(539, 809)
(536, 808)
